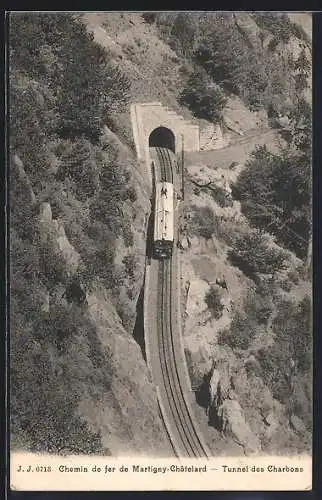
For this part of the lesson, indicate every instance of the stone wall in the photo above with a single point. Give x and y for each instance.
(148, 116)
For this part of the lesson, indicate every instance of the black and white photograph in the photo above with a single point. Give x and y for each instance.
(160, 228)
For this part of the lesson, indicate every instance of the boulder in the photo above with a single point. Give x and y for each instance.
(233, 424)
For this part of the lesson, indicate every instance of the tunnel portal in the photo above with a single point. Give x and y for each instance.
(162, 137)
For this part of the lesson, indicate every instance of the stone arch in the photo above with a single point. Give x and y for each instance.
(162, 137)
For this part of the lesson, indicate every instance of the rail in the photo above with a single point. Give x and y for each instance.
(177, 404)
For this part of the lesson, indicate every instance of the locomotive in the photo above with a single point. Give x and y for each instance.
(163, 235)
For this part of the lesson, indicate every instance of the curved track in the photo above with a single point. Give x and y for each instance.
(176, 401)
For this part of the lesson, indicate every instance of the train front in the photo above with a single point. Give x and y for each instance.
(163, 221)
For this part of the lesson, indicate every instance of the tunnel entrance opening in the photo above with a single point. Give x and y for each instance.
(162, 137)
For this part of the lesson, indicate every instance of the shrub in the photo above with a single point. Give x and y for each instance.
(275, 194)
(292, 326)
(52, 266)
(253, 254)
(79, 164)
(130, 262)
(275, 370)
(205, 222)
(287, 363)
(205, 99)
(259, 307)
(221, 196)
(213, 301)
(240, 333)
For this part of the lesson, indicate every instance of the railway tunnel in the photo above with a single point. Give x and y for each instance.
(162, 137)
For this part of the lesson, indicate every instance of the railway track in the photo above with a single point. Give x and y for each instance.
(190, 440)
(190, 443)
(165, 164)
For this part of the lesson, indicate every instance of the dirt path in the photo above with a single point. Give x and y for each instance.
(237, 152)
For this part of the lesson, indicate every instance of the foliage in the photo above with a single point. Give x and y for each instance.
(253, 254)
(39, 368)
(216, 43)
(63, 89)
(259, 305)
(221, 196)
(293, 327)
(213, 301)
(80, 165)
(274, 191)
(241, 332)
(86, 88)
(205, 222)
(280, 25)
(205, 99)
(130, 262)
(286, 364)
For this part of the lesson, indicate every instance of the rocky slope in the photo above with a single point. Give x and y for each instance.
(79, 209)
(116, 399)
(228, 380)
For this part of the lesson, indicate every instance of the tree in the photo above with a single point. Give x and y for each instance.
(253, 254)
(205, 99)
(275, 194)
(205, 222)
(240, 334)
(213, 301)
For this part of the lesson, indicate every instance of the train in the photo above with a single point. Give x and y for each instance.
(163, 234)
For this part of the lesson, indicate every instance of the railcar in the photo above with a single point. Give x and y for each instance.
(163, 234)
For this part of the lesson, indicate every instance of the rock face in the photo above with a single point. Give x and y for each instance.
(225, 412)
(52, 232)
(233, 424)
(127, 413)
(211, 137)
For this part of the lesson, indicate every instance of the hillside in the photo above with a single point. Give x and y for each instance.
(80, 203)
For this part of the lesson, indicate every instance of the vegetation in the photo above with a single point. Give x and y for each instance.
(205, 222)
(286, 364)
(240, 333)
(63, 89)
(205, 99)
(253, 254)
(259, 303)
(232, 58)
(213, 301)
(275, 193)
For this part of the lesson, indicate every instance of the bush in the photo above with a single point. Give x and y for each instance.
(275, 366)
(275, 193)
(205, 222)
(293, 326)
(221, 196)
(259, 307)
(253, 254)
(205, 99)
(286, 364)
(130, 262)
(213, 301)
(80, 165)
(42, 384)
(240, 334)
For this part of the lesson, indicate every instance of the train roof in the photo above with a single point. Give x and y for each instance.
(163, 220)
